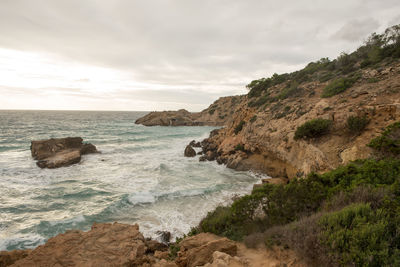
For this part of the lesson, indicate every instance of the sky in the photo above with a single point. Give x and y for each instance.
(167, 54)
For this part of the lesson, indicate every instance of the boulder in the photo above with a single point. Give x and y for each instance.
(199, 249)
(189, 152)
(104, 245)
(55, 153)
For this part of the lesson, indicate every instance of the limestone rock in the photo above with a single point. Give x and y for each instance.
(104, 245)
(189, 152)
(198, 250)
(55, 153)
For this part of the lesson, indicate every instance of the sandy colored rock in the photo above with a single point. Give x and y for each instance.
(268, 139)
(199, 249)
(104, 245)
(55, 153)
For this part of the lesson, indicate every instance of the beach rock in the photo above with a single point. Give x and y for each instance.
(60, 152)
(104, 245)
(198, 250)
(193, 143)
(189, 152)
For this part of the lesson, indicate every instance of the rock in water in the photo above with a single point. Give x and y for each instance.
(54, 153)
(189, 152)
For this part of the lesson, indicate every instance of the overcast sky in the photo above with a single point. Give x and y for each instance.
(167, 54)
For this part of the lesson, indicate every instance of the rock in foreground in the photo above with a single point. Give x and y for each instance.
(60, 152)
(104, 245)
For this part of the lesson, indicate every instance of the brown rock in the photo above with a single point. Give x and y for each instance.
(198, 250)
(54, 153)
(161, 254)
(104, 245)
(189, 152)
(9, 257)
(153, 245)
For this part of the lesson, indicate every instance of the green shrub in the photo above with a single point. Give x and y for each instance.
(239, 127)
(337, 86)
(211, 111)
(389, 142)
(253, 119)
(358, 236)
(239, 147)
(356, 124)
(313, 128)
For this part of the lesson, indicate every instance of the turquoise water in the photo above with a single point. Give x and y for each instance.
(140, 177)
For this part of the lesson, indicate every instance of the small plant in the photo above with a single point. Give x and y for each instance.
(239, 147)
(253, 119)
(239, 127)
(373, 80)
(313, 128)
(337, 86)
(211, 111)
(356, 124)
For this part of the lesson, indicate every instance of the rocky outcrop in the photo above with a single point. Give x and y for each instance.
(261, 138)
(198, 250)
(104, 245)
(189, 151)
(55, 153)
(217, 114)
(7, 258)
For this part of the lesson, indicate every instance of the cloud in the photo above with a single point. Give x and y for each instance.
(174, 46)
(356, 30)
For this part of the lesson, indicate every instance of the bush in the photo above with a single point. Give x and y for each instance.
(359, 236)
(337, 86)
(253, 119)
(389, 142)
(356, 124)
(239, 147)
(313, 128)
(239, 127)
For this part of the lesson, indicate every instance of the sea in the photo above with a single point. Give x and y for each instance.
(141, 176)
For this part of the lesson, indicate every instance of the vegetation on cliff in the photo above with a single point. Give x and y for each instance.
(344, 70)
(347, 216)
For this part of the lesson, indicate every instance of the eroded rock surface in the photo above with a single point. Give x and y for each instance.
(60, 152)
(104, 245)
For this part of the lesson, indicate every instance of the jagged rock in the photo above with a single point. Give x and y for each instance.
(104, 245)
(55, 153)
(154, 245)
(189, 152)
(210, 155)
(203, 158)
(198, 250)
(164, 236)
(193, 143)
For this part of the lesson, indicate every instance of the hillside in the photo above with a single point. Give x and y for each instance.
(345, 92)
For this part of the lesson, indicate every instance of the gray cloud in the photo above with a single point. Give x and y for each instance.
(192, 44)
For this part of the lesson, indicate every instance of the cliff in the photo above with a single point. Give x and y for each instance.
(262, 137)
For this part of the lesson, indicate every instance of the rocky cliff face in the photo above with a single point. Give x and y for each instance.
(217, 114)
(262, 137)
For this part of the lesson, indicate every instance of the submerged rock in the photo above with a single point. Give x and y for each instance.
(189, 152)
(60, 152)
